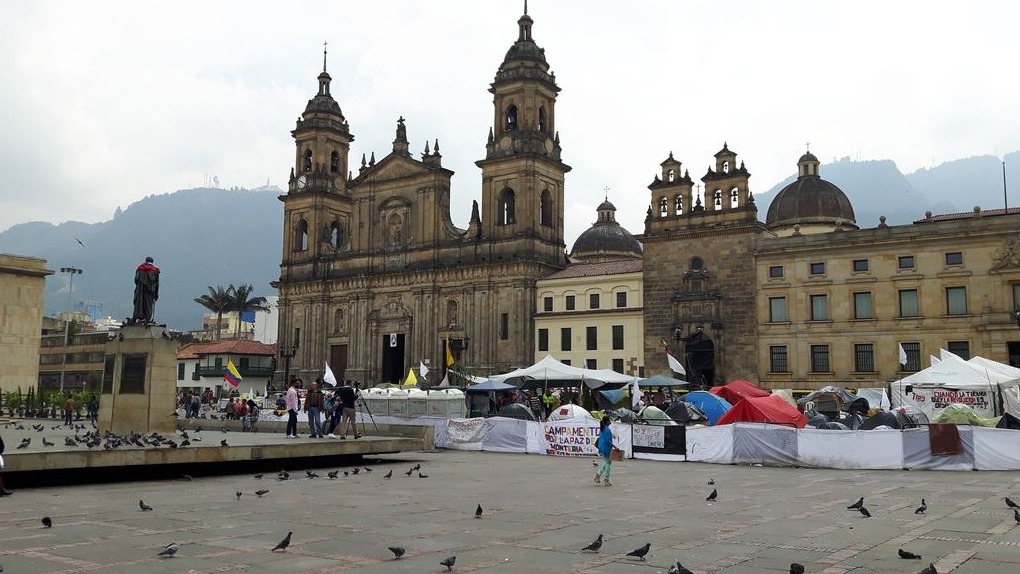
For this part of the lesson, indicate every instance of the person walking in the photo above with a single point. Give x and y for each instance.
(604, 444)
(335, 408)
(93, 408)
(314, 402)
(348, 395)
(291, 401)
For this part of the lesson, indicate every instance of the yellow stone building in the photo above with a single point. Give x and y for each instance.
(375, 276)
(807, 298)
(590, 314)
(22, 287)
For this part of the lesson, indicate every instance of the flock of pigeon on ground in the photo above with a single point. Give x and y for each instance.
(92, 438)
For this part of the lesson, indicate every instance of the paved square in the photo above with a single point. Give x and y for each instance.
(539, 512)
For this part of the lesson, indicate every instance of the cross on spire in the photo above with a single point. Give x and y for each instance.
(606, 189)
(808, 146)
(324, 56)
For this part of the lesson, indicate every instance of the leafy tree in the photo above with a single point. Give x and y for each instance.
(219, 301)
(241, 301)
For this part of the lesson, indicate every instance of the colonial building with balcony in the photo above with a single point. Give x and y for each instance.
(200, 366)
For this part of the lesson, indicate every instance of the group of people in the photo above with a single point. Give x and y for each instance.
(245, 411)
(338, 407)
(192, 402)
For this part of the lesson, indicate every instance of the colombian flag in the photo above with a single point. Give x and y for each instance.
(231, 375)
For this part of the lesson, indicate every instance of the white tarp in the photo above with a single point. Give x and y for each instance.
(951, 381)
(710, 444)
(878, 398)
(874, 449)
(765, 444)
(917, 451)
(996, 449)
(552, 370)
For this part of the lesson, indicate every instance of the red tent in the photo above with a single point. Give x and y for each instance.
(736, 390)
(770, 409)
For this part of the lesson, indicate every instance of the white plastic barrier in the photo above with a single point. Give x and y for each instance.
(996, 449)
(874, 449)
(710, 444)
(917, 451)
(765, 444)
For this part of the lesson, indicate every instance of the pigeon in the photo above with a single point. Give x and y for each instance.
(224, 442)
(478, 511)
(1009, 503)
(864, 512)
(678, 568)
(594, 546)
(416, 467)
(388, 474)
(169, 550)
(47, 522)
(410, 472)
(311, 474)
(25, 442)
(922, 508)
(333, 474)
(143, 506)
(929, 570)
(796, 568)
(857, 505)
(1016, 515)
(238, 494)
(908, 555)
(258, 477)
(713, 496)
(711, 482)
(640, 552)
(346, 473)
(283, 475)
(283, 543)
(259, 493)
(420, 475)
(449, 562)
(47, 443)
(355, 470)
(368, 469)
(398, 551)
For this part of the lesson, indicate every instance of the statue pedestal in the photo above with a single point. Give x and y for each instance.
(139, 382)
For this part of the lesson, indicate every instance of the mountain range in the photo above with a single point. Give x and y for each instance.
(209, 237)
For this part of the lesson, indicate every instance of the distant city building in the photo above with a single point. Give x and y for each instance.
(201, 365)
(94, 309)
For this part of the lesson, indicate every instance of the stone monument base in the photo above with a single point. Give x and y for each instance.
(139, 381)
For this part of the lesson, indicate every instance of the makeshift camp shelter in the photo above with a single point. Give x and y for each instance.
(656, 416)
(963, 415)
(770, 409)
(569, 412)
(828, 399)
(733, 391)
(685, 413)
(517, 411)
(609, 399)
(552, 373)
(989, 388)
(713, 406)
(490, 386)
(661, 381)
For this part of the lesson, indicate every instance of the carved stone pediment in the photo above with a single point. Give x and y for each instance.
(395, 167)
(1008, 255)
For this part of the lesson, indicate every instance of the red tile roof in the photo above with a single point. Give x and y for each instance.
(970, 215)
(231, 347)
(598, 269)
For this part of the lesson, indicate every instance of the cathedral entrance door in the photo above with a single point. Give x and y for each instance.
(701, 360)
(392, 358)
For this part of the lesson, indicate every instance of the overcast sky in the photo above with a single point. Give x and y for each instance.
(103, 103)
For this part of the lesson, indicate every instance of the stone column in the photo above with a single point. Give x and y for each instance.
(139, 382)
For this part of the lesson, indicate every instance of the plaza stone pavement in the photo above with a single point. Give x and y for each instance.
(539, 512)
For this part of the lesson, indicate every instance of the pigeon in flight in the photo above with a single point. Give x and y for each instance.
(143, 506)
(283, 543)
(388, 474)
(678, 568)
(921, 509)
(864, 512)
(79, 242)
(478, 511)
(259, 493)
(333, 474)
(640, 552)
(713, 496)
(857, 505)
(449, 562)
(47, 522)
(908, 555)
(796, 568)
(169, 550)
(1009, 503)
(594, 546)
(398, 551)
(929, 570)
(238, 494)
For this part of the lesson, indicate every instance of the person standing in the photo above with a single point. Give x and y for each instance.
(93, 409)
(348, 396)
(604, 444)
(291, 401)
(196, 405)
(314, 401)
(69, 411)
(549, 401)
(335, 408)
(535, 404)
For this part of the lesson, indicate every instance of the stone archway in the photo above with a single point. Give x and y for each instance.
(700, 357)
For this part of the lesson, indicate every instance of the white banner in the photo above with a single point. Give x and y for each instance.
(466, 430)
(931, 400)
(570, 439)
(649, 436)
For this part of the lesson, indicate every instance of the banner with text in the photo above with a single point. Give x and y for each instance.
(570, 438)
(931, 400)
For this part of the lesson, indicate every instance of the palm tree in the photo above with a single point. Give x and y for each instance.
(241, 301)
(219, 301)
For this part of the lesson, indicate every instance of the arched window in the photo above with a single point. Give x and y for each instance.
(308, 160)
(717, 199)
(511, 118)
(725, 167)
(541, 120)
(336, 234)
(546, 209)
(301, 236)
(339, 321)
(506, 207)
(663, 207)
(734, 198)
(334, 162)
(452, 310)
(678, 205)
(670, 175)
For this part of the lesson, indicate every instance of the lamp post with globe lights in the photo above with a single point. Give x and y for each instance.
(71, 271)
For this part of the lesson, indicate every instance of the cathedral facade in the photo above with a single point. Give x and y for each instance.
(375, 277)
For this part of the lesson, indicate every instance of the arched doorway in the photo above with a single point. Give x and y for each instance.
(700, 356)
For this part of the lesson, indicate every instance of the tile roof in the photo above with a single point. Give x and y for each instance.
(970, 215)
(231, 347)
(598, 269)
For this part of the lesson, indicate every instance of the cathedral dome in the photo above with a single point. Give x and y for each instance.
(810, 203)
(606, 240)
(525, 49)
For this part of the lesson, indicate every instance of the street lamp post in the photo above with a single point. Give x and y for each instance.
(71, 271)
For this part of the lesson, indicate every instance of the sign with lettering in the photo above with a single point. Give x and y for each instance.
(931, 400)
(571, 439)
(648, 436)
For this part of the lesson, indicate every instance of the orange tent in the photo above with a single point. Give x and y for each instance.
(733, 391)
(771, 409)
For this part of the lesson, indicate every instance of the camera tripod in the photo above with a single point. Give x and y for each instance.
(360, 401)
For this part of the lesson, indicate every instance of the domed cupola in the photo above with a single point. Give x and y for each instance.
(606, 240)
(525, 48)
(810, 204)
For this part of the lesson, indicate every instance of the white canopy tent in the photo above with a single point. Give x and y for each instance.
(549, 369)
(988, 387)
